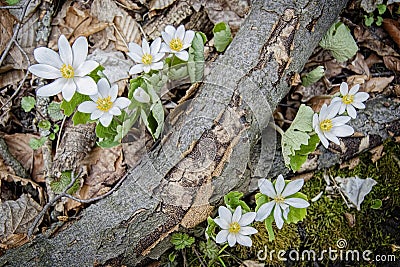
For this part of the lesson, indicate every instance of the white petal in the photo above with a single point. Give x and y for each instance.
(113, 92)
(279, 184)
(231, 240)
(297, 202)
(247, 230)
(145, 47)
(323, 139)
(332, 110)
(267, 188)
(354, 89)
(351, 111)
(103, 87)
(79, 52)
(285, 213)
(222, 236)
(106, 119)
(278, 217)
(358, 105)
(170, 30)
(157, 66)
(344, 88)
(244, 240)
(87, 107)
(332, 137)
(95, 97)
(138, 68)
(225, 214)
(336, 105)
(183, 55)
(86, 68)
(247, 218)
(44, 55)
(323, 113)
(293, 187)
(342, 108)
(336, 99)
(52, 88)
(85, 85)
(135, 49)
(165, 48)
(69, 89)
(146, 68)
(315, 121)
(96, 114)
(361, 97)
(343, 131)
(45, 71)
(65, 51)
(137, 58)
(180, 32)
(140, 95)
(122, 102)
(264, 211)
(340, 120)
(237, 214)
(189, 35)
(157, 57)
(221, 223)
(115, 111)
(166, 37)
(155, 46)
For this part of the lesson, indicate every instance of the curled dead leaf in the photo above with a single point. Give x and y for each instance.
(366, 39)
(160, 4)
(392, 63)
(126, 31)
(359, 66)
(393, 28)
(378, 84)
(6, 28)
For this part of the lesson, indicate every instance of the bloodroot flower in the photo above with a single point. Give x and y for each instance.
(329, 127)
(105, 104)
(147, 57)
(69, 67)
(235, 227)
(281, 200)
(350, 100)
(176, 41)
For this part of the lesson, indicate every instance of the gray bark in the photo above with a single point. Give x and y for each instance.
(209, 147)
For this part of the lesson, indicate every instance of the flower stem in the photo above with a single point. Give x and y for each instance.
(277, 128)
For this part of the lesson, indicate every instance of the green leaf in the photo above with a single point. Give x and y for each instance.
(156, 119)
(134, 84)
(376, 204)
(297, 214)
(340, 42)
(12, 2)
(45, 125)
(300, 156)
(56, 128)
(178, 72)
(379, 21)
(368, 20)
(296, 161)
(97, 73)
(233, 200)
(381, 8)
(108, 143)
(106, 132)
(172, 256)
(28, 103)
(261, 199)
(268, 226)
(222, 36)
(52, 136)
(58, 186)
(54, 111)
(313, 76)
(80, 118)
(69, 107)
(196, 58)
(36, 143)
(181, 240)
(210, 229)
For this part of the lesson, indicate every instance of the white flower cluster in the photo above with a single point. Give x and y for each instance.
(148, 57)
(328, 125)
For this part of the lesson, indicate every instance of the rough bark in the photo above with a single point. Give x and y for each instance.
(207, 149)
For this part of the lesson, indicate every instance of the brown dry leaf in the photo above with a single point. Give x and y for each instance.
(250, 263)
(16, 217)
(5, 115)
(11, 77)
(376, 85)
(373, 59)
(357, 79)
(351, 164)
(160, 4)
(392, 63)
(6, 28)
(393, 28)
(397, 89)
(359, 66)
(32, 161)
(332, 68)
(376, 153)
(127, 30)
(366, 39)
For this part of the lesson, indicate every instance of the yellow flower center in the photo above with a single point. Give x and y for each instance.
(147, 59)
(279, 199)
(176, 44)
(326, 125)
(348, 99)
(234, 228)
(67, 71)
(104, 104)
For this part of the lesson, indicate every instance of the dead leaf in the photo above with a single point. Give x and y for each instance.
(250, 263)
(16, 217)
(127, 30)
(32, 161)
(376, 85)
(359, 66)
(351, 164)
(392, 63)
(397, 89)
(366, 39)
(5, 115)
(351, 219)
(6, 28)
(11, 77)
(373, 59)
(160, 4)
(376, 153)
(355, 189)
(332, 68)
(393, 28)
(357, 79)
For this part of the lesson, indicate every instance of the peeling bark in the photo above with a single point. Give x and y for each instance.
(209, 147)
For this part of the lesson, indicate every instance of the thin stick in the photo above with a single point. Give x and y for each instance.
(59, 133)
(277, 128)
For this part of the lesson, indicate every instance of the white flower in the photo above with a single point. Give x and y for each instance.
(147, 57)
(104, 104)
(330, 128)
(281, 199)
(141, 96)
(235, 227)
(69, 67)
(176, 41)
(350, 100)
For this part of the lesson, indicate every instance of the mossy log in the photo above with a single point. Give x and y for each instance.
(209, 147)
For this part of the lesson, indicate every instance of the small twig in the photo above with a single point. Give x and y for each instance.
(120, 35)
(12, 7)
(199, 257)
(59, 133)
